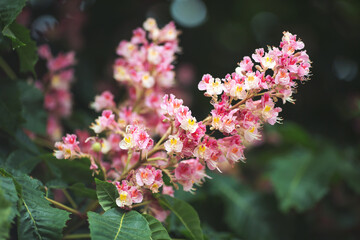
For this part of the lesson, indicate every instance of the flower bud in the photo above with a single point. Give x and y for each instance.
(96, 147)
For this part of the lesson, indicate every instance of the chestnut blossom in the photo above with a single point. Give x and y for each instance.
(150, 178)
(127, 194)
(135, 138)
(103, 101)
(190, 172)
(106, 120)
(173, 145)
(68, 148)
(242, 103)
(56, 87)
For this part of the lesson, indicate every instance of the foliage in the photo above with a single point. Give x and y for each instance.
(289, 188)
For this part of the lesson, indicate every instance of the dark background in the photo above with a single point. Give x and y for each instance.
(215, 36)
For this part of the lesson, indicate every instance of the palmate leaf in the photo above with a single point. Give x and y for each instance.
(301, 178)
(38, 220)
(185, 213)
(106, 193)
(118, 225)
(158, 231)
(8, 205)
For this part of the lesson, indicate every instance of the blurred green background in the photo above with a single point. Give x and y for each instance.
(303, 181)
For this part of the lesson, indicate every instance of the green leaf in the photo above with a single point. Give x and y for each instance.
(33, 110)
(118, 225)
(22, 140)
(60, 169)
(8, 205)
(249, 214)
(38, 220)
(301, 178)
(185, 213)
(24, 45)
(11, 105)
(9, 9)
(78, 189)
(351, 174)
(21, 161)
(106, 193)
(81, 190)
(5, 213)
(158, 231)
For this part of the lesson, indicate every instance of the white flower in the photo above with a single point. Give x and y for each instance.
(252, 81)
(189, 124)
(150, 24)
(214, 87)
(268, 62)
(173, 144)
(127, 142)
(153, 55)
(147, 80)
(124, 199)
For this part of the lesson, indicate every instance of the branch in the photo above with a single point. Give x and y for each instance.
(7, 69)
(60, 205)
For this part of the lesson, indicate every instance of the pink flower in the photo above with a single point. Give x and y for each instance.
(173, 145)
(246, 64)
(158, 212)
(127, 194)
(68, 148)
(106, 120)
(168, 190)
(150, 178)
(103, 101)
(204, 82)
(189, 172)
(44, 52)
(63, 60)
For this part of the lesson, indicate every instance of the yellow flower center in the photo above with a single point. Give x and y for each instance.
(239, 89)
(215, 84)
(120, 71)
(252, 129)
(123, 196)
(191, 121)
(251, 78)
(127, 139)
(267, 108)
(202, 148)
(268, 59)
(173, 141)
(216, 119)
(131, 47)
(55, 80)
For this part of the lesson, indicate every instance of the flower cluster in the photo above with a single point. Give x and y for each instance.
(154, 134)
(56, 87)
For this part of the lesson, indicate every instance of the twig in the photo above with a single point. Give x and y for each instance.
(7, 69)
(70, 199)
(140, 204)
(77, 236)
(60, 205)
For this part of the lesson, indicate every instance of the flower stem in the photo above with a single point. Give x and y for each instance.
(70, 199)
(60, 205)
(7, 69)
(140, 204)
(77, 236)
